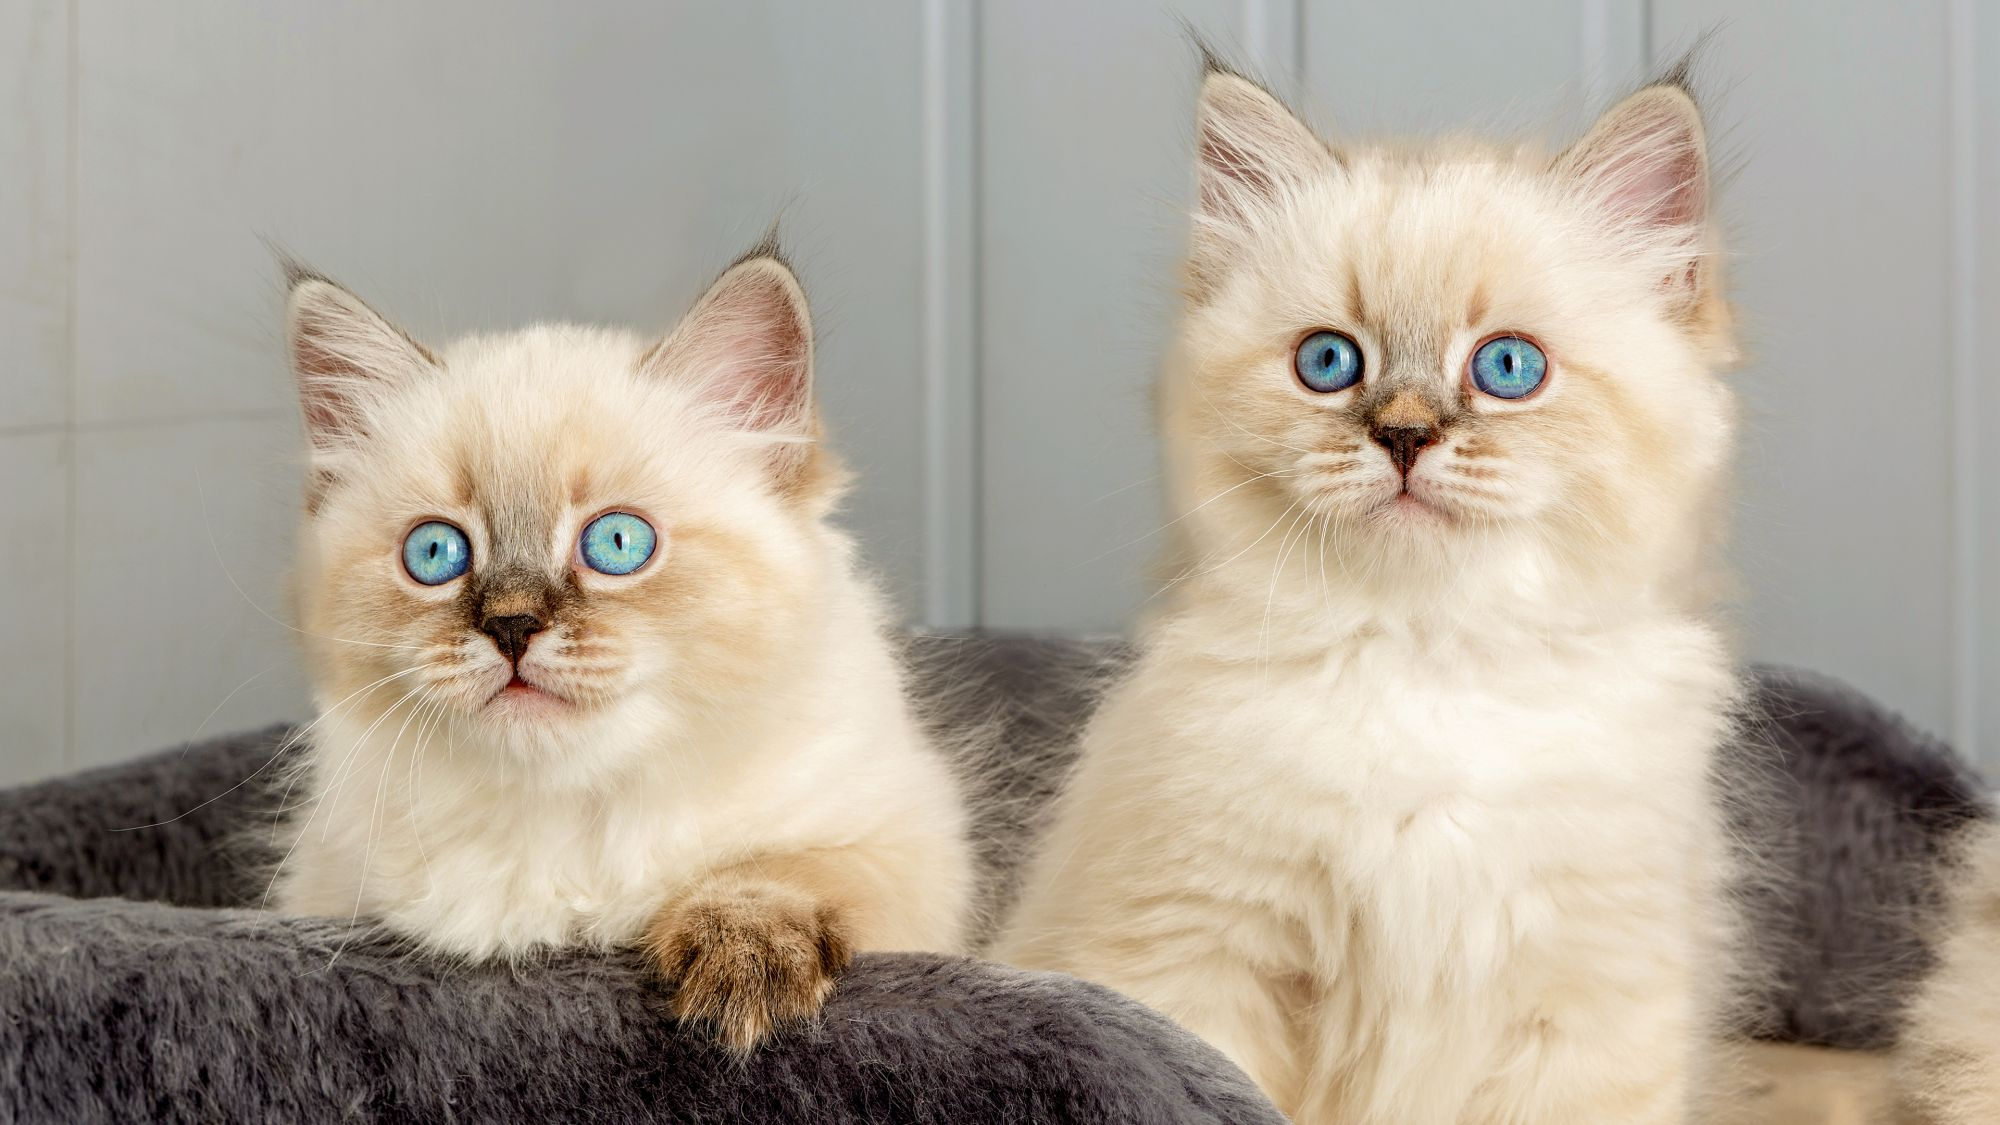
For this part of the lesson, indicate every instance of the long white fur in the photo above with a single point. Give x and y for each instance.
(1948, 1060)
(752, 709)
(1411, 817)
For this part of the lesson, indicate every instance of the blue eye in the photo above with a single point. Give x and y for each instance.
(1508, 367)
(617, 543)
(435, 553)
(1328, 362)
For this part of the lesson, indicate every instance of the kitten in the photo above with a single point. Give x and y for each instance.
(1406, 805)
(593, 667)
(1948, 1061)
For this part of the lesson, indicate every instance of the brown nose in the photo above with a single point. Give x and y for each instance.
(511, 633)
(1405, 426)
(1404, 443)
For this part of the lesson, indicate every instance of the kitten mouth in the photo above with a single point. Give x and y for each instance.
(519, 689)
(1408, 505)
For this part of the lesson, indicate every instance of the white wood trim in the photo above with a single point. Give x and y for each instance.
(1274, 37)
(950, 315)
(1615, 41)
(1968, 620)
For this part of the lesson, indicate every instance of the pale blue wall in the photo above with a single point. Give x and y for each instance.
(986, 200)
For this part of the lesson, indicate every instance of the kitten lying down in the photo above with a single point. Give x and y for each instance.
(593, 667)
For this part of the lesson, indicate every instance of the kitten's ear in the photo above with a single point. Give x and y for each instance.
(1250, 151)
(748, 345)
(345, 356)
(1644, 166)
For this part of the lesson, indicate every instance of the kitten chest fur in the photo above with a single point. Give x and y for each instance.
(481, 864)
(1417, 843)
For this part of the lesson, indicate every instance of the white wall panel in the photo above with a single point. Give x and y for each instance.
(34, 386)
(987, 201)
(472, 165)
(1431, 67)
(465, 166)
(34, 213)
(183, 543)
(1086, 115)
(1977, 63)
(34, 597)
(1841, 222)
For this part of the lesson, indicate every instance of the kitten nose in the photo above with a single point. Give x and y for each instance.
(1404, 443)
(1405, 426)
(511, 633)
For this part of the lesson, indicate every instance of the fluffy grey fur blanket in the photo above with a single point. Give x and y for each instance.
(136, 986)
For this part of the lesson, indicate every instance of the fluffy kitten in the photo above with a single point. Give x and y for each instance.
(681, 725)
(1948, 1062)
(1406, 806)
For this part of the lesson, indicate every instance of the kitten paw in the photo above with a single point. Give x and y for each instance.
(748, 956)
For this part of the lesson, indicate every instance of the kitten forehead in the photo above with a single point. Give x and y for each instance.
(1630, 197)
(1411, 246)
(520, 427)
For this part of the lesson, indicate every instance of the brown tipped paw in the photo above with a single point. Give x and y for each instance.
(748, 956)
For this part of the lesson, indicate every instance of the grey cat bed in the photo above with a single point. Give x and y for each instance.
(136, 987)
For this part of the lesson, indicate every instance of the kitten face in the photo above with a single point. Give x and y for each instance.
(1332, 355)
(544, 642)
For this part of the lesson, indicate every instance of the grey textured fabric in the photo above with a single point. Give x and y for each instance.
(1854, 829)
(122, 1012)
(171, 1002)
(182, 1009)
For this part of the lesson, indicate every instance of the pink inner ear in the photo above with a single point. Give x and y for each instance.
(763, 353)
(317, 397)
(1652, 171)
(327, 382)
(1228, 163)
(343, 354)
(1248, 148)
(1660, 189)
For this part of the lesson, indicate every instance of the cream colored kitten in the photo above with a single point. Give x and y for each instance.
(594, 668)
(1407, 806)
(1948, 1062)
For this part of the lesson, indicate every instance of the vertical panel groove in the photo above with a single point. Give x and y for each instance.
(1966, 417)
(950, 320)
(72, 142)
(1274, 34)
(1615, 43)
(1647, 48)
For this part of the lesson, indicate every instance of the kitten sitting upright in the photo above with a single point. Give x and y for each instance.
(1406, 805)
(593, 666)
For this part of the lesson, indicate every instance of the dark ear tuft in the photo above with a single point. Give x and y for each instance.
(1683, 72)
(1679, 75)
(1212, 61)
(298, 273)
(295, 269)
(766, 247)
